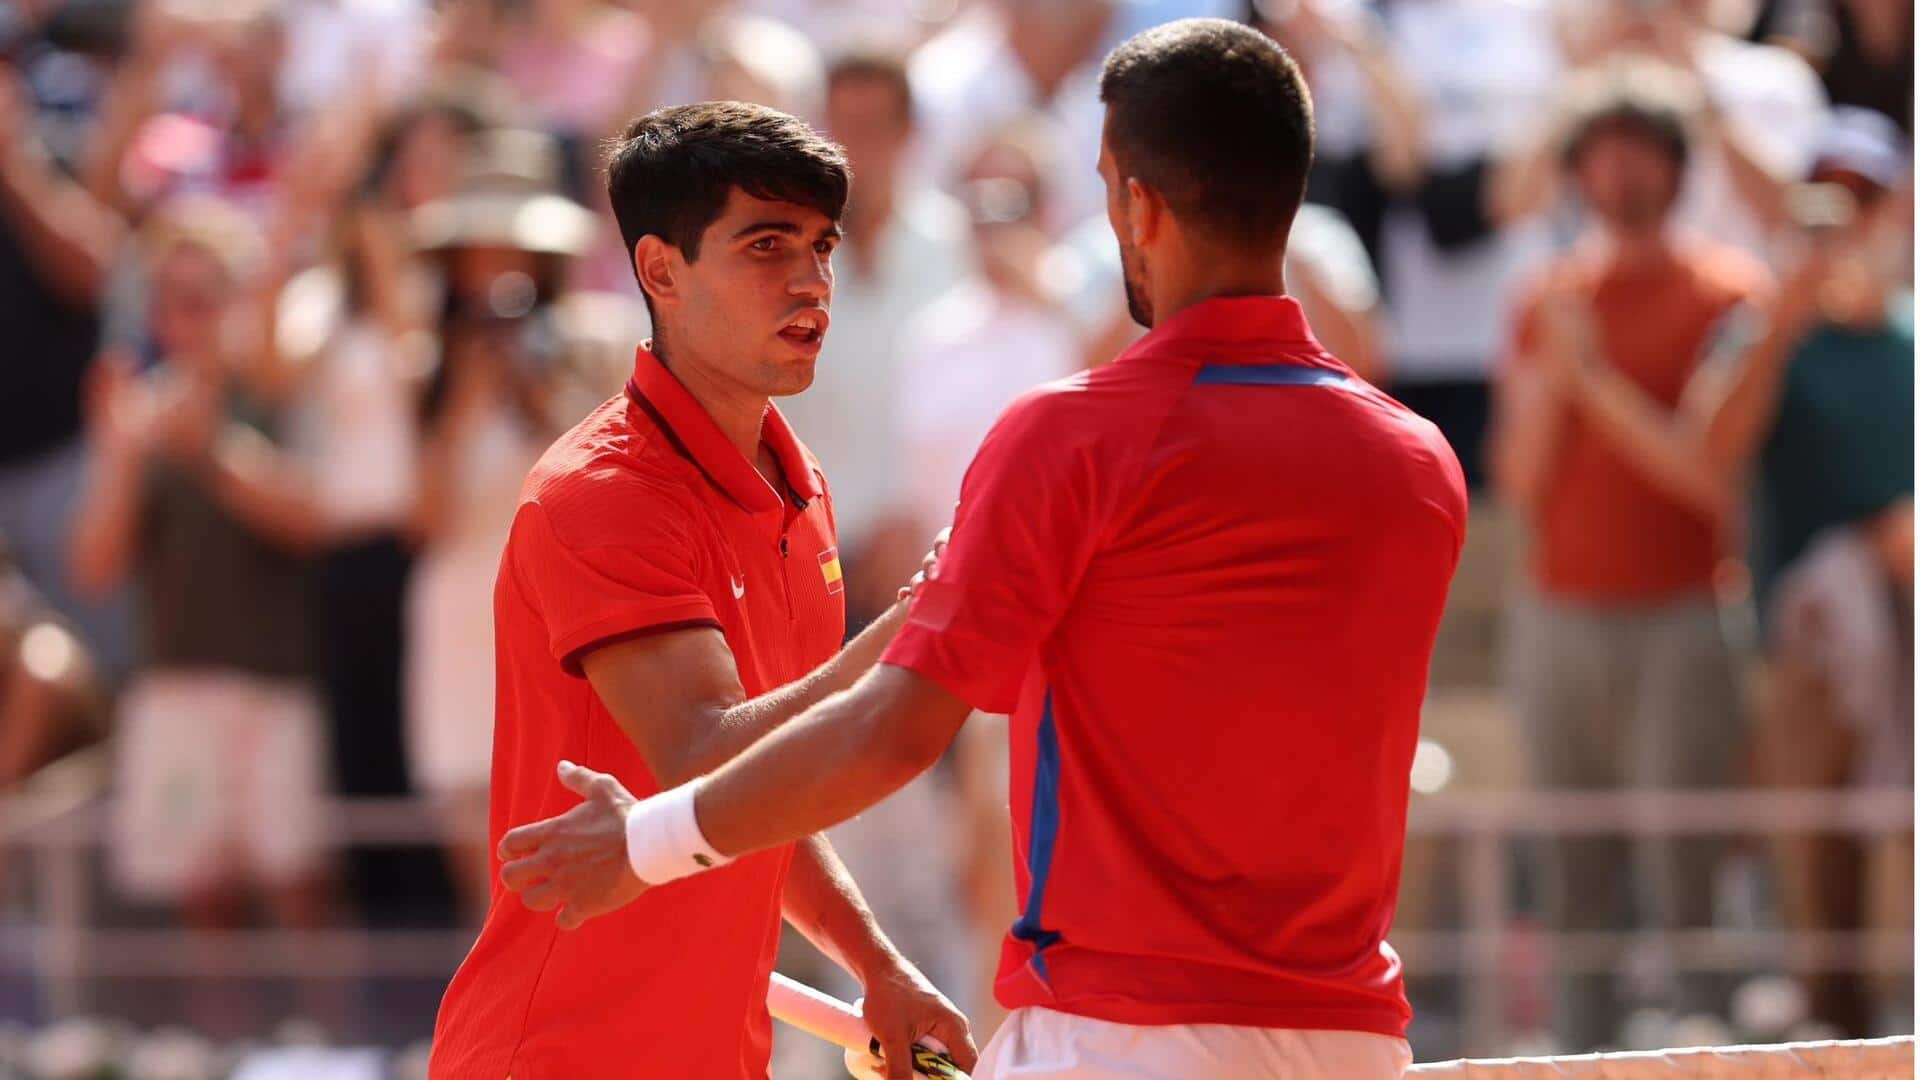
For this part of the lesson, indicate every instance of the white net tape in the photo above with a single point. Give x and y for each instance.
(1872, 1059)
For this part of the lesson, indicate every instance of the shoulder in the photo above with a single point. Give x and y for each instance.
(608, 480)
(1729, 275)
(1097, 412)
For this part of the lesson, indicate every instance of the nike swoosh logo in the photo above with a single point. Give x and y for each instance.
(739, 588)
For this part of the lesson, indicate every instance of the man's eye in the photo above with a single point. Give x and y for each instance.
(765, 243)
(824, 247)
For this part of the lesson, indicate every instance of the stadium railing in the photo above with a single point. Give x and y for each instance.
(63, 945)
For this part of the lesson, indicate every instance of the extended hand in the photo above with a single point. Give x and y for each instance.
(902, 1008)
(929, 566)
(575, 864)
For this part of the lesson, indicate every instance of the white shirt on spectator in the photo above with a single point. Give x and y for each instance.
(1484, 69)
(843, 417)
(965, 359)
(835, 25)
(967, 82)
(1774, 104)
(334, 45)
(353, 421)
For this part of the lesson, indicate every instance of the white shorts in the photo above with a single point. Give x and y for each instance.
(222, 777)
(1041, 1044)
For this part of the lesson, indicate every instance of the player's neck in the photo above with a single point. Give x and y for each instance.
(736, 411)
(1215, 278)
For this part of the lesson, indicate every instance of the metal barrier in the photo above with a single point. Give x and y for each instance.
(67, 946)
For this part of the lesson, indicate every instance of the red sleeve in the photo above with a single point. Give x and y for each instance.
(1022, 535)
(591, 588)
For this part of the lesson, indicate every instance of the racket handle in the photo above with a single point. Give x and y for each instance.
(826, 1017)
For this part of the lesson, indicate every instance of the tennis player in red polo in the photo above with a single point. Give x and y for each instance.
(671, 591)
(1206, 581)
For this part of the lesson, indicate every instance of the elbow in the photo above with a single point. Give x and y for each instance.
(904, 751)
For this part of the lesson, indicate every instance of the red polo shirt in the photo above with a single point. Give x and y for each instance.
(1205, 580)
(641, 519)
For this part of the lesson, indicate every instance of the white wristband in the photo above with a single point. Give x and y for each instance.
(664, 841)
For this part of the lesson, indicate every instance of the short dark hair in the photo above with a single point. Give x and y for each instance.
(1645, 98)
(876, 65)
(1216, 117)
(670, 174)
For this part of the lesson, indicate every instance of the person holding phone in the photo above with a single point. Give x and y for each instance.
(1812, 396)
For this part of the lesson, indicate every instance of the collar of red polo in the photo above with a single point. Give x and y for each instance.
(1236, 330)
(691, 430)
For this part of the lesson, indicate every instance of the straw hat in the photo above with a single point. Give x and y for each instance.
(508, 197)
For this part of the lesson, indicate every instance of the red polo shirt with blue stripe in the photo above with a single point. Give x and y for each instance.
(1205, 581)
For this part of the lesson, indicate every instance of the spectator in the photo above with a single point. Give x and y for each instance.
(348, 347)
(335, 47)
(502, 242)
(1620, 674)
(1367, 114)
(841, 26)
(1815, 394)
(50, 690)
(1764, 109)
(57, 248)
(1006, 58)
(568, 60)
(762, 60)
(906, 244)
(196, 109)
(1448, 257)
(220, 760)
(1863, 50)
(992, 337)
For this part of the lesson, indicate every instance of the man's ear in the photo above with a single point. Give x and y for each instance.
(657, 265)
(1146, 213)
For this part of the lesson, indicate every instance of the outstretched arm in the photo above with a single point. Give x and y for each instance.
(841, 757)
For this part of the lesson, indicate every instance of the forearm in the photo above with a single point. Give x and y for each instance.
(104, 527)
(840, 757)
(1399, 150)
(1522, 184)
(69, 238)
(1764, 193)
(252, 481)
(823, 903)
(1647, 436)
(745, 724)
(1734, 409)
(131, 99)
(1525, 438)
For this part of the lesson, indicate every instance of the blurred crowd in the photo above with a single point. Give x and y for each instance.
(293, 292)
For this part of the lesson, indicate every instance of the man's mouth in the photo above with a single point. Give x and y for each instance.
(806, 327)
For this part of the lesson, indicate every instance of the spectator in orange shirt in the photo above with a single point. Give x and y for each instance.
(1619, 669)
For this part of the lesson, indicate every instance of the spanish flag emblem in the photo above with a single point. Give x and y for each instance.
(830, 570)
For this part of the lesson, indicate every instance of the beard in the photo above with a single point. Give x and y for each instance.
(1138, 306)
